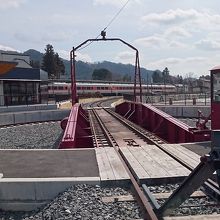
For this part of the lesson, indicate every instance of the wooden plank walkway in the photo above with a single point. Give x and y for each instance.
(147, 162)
(189, 157)
(152, 165)
(110, 166)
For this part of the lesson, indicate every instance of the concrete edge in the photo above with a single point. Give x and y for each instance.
(55, 179)
(27, 194)
(72, 149)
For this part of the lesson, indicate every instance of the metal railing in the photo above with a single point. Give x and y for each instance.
(174, 98)
(178, 99)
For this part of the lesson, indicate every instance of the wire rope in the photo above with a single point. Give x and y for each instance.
(110, 22)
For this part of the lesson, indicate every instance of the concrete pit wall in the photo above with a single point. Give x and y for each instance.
(32, 116)
(23, 108)
(28, 194)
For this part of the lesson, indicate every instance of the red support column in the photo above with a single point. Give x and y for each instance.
(73, 76)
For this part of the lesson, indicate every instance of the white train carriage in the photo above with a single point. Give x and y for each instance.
(86, 88)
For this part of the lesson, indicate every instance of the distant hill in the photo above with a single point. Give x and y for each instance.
(34, 55)
(84, 70)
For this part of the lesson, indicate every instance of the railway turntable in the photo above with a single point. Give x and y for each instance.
(137, 145)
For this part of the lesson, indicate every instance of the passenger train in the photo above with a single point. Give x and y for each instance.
(106, 89)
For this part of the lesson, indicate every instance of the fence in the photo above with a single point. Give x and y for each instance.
(174, 99)
(178, 99)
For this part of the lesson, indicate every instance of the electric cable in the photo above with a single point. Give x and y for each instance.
(110, 22)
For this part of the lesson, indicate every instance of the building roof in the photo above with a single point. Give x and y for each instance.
(216, 68)
(6, 66)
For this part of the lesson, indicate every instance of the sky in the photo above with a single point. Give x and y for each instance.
(183, 35)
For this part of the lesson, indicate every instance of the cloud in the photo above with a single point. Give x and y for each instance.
(55, 37)
(189, 19)
(7, 48)
(152, 41)
(176, 44)
(116, 3)
(125, 57)
(109, 2)
(197, 65)
(208, 44)
(165, 40)
(83, 57)
(46, 37)
(175, 61)
(27, 37)
(171, 16)
(177, 32)
(159, 42)
(5, 4)
(64, 54)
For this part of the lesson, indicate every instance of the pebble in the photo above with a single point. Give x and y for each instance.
(31, 136)
(78, 202)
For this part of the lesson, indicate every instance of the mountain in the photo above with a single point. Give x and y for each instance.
(84, 70)
(34, 55)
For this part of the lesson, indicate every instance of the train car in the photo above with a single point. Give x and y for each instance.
(88, 89)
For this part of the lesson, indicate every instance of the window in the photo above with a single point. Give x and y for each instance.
(216, 87)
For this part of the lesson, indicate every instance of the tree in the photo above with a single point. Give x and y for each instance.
(126, 78)
(166, 75)
(101, 74)
(59, 66)
(157, 77)
(48, 62)
(179, 79)
(52, 63)
(35, 63)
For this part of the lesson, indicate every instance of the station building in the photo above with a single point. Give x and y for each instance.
(20, 84)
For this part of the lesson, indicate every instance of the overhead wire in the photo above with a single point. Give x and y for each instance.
(116, 15)
(110, 22)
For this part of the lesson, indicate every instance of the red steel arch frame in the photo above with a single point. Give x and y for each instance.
(137, 77)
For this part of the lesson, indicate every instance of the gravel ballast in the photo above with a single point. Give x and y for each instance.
(44, 135)
(192, 206)
(83, 202)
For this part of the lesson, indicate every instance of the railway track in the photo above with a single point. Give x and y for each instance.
(107, 138)
(103, 136)
(102, 103)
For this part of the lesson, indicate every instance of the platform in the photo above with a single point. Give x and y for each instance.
(32, 178)
(48, 163)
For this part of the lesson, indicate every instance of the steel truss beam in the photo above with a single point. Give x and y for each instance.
(137, 77)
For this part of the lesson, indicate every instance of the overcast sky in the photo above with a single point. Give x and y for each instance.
(183, 35)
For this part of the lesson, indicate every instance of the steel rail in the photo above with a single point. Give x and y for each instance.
(93, 131)
(211, 187)
(140, 196)
(95, 128)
